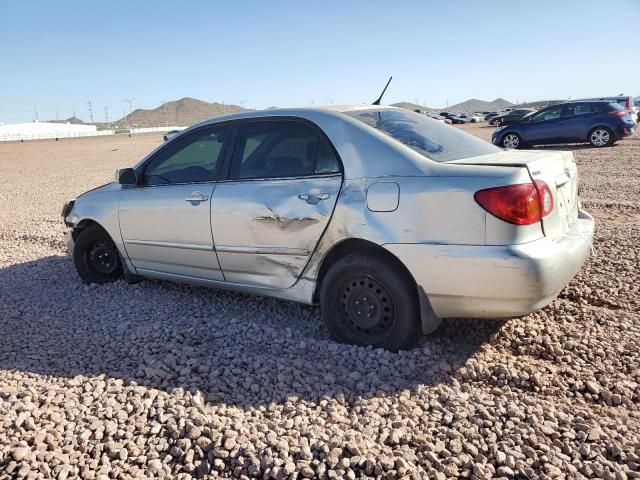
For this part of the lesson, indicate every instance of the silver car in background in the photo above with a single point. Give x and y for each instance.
(387, 219)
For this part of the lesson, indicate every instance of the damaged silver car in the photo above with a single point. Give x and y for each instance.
(387, 219)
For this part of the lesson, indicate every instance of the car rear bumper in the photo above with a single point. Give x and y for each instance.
(497, 281)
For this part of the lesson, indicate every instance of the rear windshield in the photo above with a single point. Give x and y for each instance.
(434, 140)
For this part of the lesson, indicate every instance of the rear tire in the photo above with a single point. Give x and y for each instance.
(366, 299)
(601, 137)
(96, 256)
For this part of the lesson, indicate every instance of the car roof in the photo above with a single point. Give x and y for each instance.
(367, 149)
(614, 97)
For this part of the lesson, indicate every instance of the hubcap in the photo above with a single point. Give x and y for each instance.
(600, 138)
(103, 257)
(511, 141)
(367, 310)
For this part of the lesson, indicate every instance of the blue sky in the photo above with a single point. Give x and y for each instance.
(60, 55)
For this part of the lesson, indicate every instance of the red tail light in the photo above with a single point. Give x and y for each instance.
(618, 113)
(628, 104)
(521, 204)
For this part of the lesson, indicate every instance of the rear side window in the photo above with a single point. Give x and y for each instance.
(282, 148)
(577, 109)
(432, 139)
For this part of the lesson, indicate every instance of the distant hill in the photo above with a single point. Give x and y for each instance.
(412, 106)
(183, 112)
(475, 105)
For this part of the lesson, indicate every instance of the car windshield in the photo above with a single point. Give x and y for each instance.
(432, 139)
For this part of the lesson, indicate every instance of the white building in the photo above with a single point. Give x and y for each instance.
(36, 130)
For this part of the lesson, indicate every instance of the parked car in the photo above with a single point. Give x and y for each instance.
(490, 115)
(470, 117)
(170, 134)
(625, 101)
(457, 119)
(387, 219)
(600, 123)
(509, 117)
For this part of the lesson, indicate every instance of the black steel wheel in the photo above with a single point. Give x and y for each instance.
(367, 307)
(96, 256)
(370, 300)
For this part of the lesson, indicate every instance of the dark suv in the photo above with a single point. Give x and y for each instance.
(509, 117)
(600, 123)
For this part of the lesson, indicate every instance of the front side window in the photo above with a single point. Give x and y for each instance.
(434, 140)
(192, 159)
(550, 114)
(281, 148)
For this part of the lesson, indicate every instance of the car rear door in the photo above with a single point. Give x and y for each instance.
(269, 214)
(165, 220)
(575, 121)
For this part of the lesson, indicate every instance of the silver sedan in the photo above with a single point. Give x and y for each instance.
(387, 219)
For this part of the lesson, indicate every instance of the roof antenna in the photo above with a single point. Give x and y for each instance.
(377, 102)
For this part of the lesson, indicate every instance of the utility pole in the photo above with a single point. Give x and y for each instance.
(166, 117)
(242, 103)
(35, 112)
(130, 101)
(223, 108)
(57, 119)
(90, 111)
(124, 115)
(74, 117)
(106, 116)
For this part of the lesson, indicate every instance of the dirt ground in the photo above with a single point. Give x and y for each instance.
(157, 379)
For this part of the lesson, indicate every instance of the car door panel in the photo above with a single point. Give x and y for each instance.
(266, 230)
(165, 221)
(544, 128)
(163, 231)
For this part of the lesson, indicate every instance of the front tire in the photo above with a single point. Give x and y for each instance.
(601, 137)
(511, 140)
(369, 300)
(96, 256)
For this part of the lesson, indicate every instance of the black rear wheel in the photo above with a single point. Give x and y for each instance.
(369, 300)
(96, 256)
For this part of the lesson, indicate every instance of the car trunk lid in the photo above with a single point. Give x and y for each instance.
(557, 169)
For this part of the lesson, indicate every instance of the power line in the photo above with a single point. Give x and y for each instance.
(130, 119)
(90, 111)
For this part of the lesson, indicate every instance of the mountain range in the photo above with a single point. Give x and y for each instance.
(189, 111)
(186, 111)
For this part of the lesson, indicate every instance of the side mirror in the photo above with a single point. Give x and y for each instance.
(127, 176)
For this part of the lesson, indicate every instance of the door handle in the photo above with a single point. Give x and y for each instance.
(196, 198)
(313, 198)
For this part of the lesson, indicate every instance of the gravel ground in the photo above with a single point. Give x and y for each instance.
(157, 379)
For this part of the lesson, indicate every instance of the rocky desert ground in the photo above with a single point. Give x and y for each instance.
(162, 380)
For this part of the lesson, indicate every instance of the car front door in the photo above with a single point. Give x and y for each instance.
(269, 214)
(165, 219)
(544, 127)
